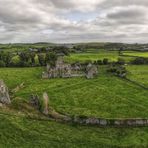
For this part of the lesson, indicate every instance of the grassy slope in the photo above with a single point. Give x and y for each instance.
(18, 131)
(105, 96)
(138, 73)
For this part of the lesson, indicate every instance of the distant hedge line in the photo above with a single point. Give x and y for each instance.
(32, 59)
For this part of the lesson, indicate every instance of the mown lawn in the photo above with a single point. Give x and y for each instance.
(20, 132)
(104, 96)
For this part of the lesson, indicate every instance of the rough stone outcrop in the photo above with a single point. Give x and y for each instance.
(4, 94)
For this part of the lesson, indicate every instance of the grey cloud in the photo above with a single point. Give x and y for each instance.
(127, 13)
(122, 3)
(128, 16)
(39, 20)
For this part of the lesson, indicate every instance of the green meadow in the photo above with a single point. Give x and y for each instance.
(21, 132)
(139, 74)
(136, 54)
(94, 56)
(105, 96)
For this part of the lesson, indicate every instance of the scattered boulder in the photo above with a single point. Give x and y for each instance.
(4, 94)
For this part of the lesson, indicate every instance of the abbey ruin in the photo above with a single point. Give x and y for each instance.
(64, 70)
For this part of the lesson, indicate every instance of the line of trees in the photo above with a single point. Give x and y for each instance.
(27, 59)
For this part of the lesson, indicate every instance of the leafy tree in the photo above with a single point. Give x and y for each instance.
(99, 62)
(32, 56)
(2, 63)
(121, 61)
(51, 58)
(140, 60)
(41, 59)
(120, 50)
(6, 58)
(24, 56)
(61, 49)
(105, 61)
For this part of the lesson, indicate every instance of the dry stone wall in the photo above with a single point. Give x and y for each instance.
(110, 122)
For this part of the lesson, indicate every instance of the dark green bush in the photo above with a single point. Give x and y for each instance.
(139, 61)
(2, 63)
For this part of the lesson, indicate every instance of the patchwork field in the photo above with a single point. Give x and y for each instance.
(105, 96)
(94, 56)
(136, 53)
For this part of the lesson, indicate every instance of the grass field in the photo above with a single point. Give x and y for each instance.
(136, 53)
(105, 96)
(20, 132)
(94, 56)
(138, 73)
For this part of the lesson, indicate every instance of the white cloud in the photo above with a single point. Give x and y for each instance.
(46, 20)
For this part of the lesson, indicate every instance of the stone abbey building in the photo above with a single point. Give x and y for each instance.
(64, 70)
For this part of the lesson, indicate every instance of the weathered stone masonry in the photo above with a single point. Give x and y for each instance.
(64, 70)
(4, 95)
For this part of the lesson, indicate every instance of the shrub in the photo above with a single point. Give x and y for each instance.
(105, 61)
(2, 63)
(99, 62)
(140, 60)
(117, 70)
(121, 61)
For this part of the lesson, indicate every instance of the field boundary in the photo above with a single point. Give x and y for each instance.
(85, 120)
(102, 122)
(136, 83)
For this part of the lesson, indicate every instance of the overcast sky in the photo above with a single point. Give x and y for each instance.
(73, 21)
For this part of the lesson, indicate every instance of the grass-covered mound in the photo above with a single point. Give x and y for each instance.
(105, 96)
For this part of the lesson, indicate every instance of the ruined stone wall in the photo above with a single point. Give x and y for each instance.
(4, 95)
(110, 122)
(84, 120)
(102, 122)
(67, 71)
